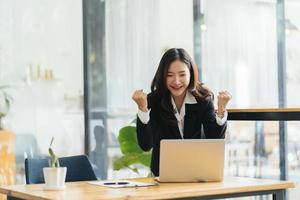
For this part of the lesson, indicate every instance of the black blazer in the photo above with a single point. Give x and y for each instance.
(197, 116)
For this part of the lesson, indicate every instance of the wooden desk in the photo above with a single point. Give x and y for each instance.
(231, 187)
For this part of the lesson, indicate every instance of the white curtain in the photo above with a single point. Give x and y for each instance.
(239, 50)
(132, 48)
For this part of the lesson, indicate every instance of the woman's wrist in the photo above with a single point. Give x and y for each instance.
(221, 110)
(143, 109)
(220, 115)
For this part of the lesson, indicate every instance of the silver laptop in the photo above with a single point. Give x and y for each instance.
(191, 160)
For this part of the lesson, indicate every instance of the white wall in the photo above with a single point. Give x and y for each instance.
(176, 24)
(48, 33)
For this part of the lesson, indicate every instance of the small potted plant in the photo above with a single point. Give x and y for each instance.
(54, 175)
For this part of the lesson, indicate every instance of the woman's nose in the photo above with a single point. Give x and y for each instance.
(176, 80)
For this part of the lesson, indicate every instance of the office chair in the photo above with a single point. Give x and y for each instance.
(26, 147)
(79, 168)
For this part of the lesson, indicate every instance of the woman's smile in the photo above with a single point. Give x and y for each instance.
(176, 87)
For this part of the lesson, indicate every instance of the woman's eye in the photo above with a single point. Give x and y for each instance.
(182, 75)
(169, 75)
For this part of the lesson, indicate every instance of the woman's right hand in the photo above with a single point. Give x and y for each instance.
(140, 99)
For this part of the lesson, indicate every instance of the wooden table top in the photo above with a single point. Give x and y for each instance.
(84, 190)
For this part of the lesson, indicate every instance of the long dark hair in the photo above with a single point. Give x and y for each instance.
(159, 88)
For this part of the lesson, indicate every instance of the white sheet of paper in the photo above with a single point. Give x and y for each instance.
(121, 183)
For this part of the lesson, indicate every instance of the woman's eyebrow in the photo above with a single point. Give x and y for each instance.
(176, 72)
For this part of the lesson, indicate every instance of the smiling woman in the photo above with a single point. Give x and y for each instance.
(178, 106)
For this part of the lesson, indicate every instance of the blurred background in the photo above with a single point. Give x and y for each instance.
(70, 68)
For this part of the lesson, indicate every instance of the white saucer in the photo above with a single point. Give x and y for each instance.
(54, 187)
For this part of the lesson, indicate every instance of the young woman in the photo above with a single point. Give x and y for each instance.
(178, 107)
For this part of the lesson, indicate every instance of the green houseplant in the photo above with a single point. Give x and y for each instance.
(133, 155)
(53, 162)
(5, 103)
(54, 175)
(7, 141)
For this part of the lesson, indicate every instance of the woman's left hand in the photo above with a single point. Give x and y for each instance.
(223, 99)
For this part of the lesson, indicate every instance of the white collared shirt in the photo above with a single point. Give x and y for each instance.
(189, 99)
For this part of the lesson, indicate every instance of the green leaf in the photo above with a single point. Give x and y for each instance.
(52, 139)
(125, 161)
(128, 140)
(51, 153)
(132, 153)
(145, 158)
(7, 102)
(135, 170)
(54, 162)
(130, 159)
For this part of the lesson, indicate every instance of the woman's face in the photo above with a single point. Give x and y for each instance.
(178, 78)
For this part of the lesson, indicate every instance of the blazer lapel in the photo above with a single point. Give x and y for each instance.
(170, 131)
(175, 131)
(190, 120)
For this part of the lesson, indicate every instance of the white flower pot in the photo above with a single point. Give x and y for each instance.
(55, 177)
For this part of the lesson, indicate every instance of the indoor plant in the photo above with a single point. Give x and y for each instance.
(133, 155)
(5, 102)
(7, 141)
(54, 175)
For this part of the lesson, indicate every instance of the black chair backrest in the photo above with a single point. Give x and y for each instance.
(79, 168)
